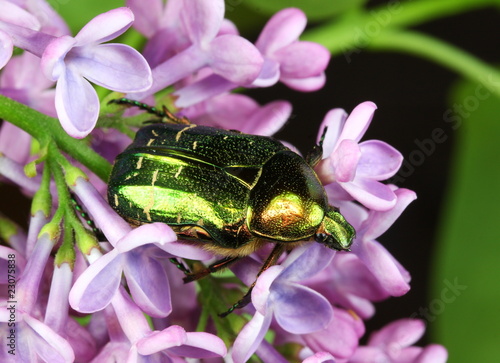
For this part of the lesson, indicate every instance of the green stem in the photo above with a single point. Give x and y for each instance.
(47, 129)
(442, 53)
(356, 30)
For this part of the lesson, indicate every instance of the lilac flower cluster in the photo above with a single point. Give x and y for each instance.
(136, 306)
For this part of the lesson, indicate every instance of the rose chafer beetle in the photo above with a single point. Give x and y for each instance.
(231, 192)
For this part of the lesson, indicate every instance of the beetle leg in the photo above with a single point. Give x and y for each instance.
(246, 299)
(164, 113)
(216, 266)
(316, 154)
(180, 265)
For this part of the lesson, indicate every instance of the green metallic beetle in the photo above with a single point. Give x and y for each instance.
(231, 192)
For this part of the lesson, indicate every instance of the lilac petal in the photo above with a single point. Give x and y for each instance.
(201, 345)
(52, 62)
(147, 233)
(6, 47)
(369, 355)
(403, 332)
(202, 19)
(15, 144)
(77, 104)
(269, 119)
(82, 342)
(308, 84)
(378, 160)
(144, 276)
(240, 112)
(147, 14)
(371, 193)
(114, 66)
(382, 264)
(157, 341)
(334, 120)
(302, 59)
(299, 309)
(235, 59)
(185, 250)
(250, 337)
(262, 288)
(105, 26)
(345, 160)
(308, 263)
(98, 284)
(269, 74)
(358, 121)
(339, 338)
(22, 71)
(11, 13)
(282, 29)
(432, 353)
(50, 346)
(320, 357)
(380, 222)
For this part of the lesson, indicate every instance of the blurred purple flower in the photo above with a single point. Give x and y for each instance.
(71, 61)
(229, 56)
(136, 341)
(12, 15)
(321, 357)
(296, 308)
(393, 343)
(23, 81)
(50, 21)
(240, 112)
(298, 64)
(350, 170)
(340, 338)
(347, 282)
(387, 270)
(33, 336)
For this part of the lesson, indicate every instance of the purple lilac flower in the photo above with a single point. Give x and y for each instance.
(298, 64)
(350, 170)
(229, 56)
(34, 337)
(73, 61)
(23, 81)
(239, 112)
(392, 277)
(136, 341)
(393, 343)
(13, 14)
(296, 308)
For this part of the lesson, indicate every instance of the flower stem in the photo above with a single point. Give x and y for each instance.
(442, 53)
(47, 129)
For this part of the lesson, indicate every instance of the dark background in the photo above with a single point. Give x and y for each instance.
(412, 96)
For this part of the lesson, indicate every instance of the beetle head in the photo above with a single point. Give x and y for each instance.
(335, 232)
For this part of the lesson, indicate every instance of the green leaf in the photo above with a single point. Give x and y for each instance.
(79, 13)
(463, 305)
(314, 9)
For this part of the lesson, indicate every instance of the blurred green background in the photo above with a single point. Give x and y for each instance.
(447, 128)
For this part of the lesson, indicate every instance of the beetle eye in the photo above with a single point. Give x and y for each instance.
(321, 237)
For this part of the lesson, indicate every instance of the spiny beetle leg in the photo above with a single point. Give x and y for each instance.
(180, 265)
(316, 154)
(164, 113)
(217, 266)
(246, 299)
